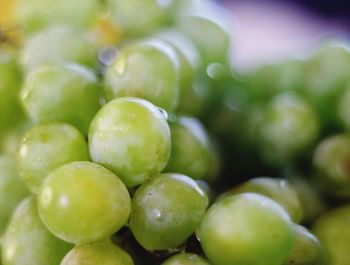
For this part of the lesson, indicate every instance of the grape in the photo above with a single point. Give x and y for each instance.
(35, 15)
(343, 109)
(307, 249)
(331, 165)
(246, 229)
(327, 74)
(66, 93)
(270, 79)
(138, 18)
(104, 253)
(333, 231)
(146, 69)
(190, 148)
(190, 100)
(12, 189)
(58, 44)
(310, 200)
(10, 76)
(213, 45)
(28, 242)
(82, 202)
(132, 138)
(186, 259)
(166, 210)
(41, 149)
(289, 127)
(278, 190)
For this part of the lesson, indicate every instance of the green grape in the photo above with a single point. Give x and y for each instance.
(278, 190)
(146, 69)
(289, 127)
(343, 109)
(270, 79)
(66, 93)
(214, 45)
(132, 138)
(186, 259)
(166, 210)
(35, 15)
(331, 165)
(10, 76)
(82, 202)
(190, 148)
(28, 242)
(11, 140)
(333, 231)
(190, 100)
(138, 18)
(103, 253)
(246, 229)
(12, 189)
(46, 147)
(327, 73)
(311, 202)
(55, 45)
(307, 249)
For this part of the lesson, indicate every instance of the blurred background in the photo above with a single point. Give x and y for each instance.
(265, 31)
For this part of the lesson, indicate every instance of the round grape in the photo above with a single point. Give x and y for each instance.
(132, 138)
(82, 202)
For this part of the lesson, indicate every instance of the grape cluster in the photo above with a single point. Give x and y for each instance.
(127, 137)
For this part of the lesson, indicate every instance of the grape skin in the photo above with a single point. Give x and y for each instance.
(82, 202)
(104, 253)
(166, 210)
(46, 147)
(27, 241)
(246, 229)
(131, 137)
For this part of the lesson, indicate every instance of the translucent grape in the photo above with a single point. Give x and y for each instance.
(132, 138)
(190, 148)
(28, 242)
(166, 210)
(186, 259)
(46, 147)
(12, 189)
(146, 69)
(104, 253)
(246, 229)
(66, 93)
(82, 202)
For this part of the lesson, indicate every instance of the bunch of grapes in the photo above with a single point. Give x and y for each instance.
(127, 137)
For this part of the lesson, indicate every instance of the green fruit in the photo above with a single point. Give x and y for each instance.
(28, 242)
(246, 229)
(82, 202)
(138, 18)
(333, 231)
(46, 147)
(307, 249)
(12, 189)
(35, 15)
(186, 259)
(103, 253)
(10, 84)
(57, 45)
(147, 69)
(166, 210)
(132, 138)
(288, 129)
(190, 148)
(331, 165)
(66, 93)
(278, 190)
